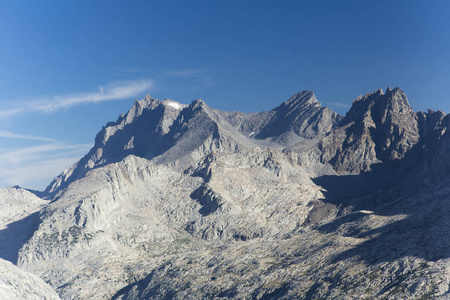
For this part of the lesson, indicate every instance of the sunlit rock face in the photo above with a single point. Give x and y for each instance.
(18, 284)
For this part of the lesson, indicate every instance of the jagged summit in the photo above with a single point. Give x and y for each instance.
(379, 127)
(379, 105)
(173, 133)
(141, 132)
(299, 100)
(302, 115)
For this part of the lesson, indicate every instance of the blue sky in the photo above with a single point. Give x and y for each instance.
(69, 67)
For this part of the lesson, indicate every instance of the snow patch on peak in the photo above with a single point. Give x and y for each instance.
(173, 104)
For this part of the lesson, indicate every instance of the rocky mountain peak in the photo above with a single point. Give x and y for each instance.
(398, 100)
(141, 132)
(379, 127)
(198, 105)
(302, 115)
(198, 102)
(170, 131)
(300, 100)
(136, 110)
(379, 105)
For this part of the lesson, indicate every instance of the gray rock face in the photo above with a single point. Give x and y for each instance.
(142, 132)
(433, 156)
(18, 220)
(378, 128)
(189, 202)
(302, 115)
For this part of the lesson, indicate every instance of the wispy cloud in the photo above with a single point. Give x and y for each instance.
(130, 70)
(184, 72)
(115, 91)
(199, 79)
(205, 82)
(34, 167)
(339, 104)
(12, 135)
(10, 112)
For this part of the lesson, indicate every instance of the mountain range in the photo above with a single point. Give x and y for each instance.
(179, 201)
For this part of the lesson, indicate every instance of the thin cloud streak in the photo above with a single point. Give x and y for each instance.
(34, 167)
(36, 175)
(12, 135)
(184, 72)
(15, 156)
(339, 104)
(202, 81)
(10, 112)
(116, 91)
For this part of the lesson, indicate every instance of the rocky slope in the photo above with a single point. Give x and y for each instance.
(124, 215)
(18, 217)
(18, 284)
(16, 204)
(186, 201)
(19, 211)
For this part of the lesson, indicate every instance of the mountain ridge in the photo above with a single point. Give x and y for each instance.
(183, 201)
(173, 119)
